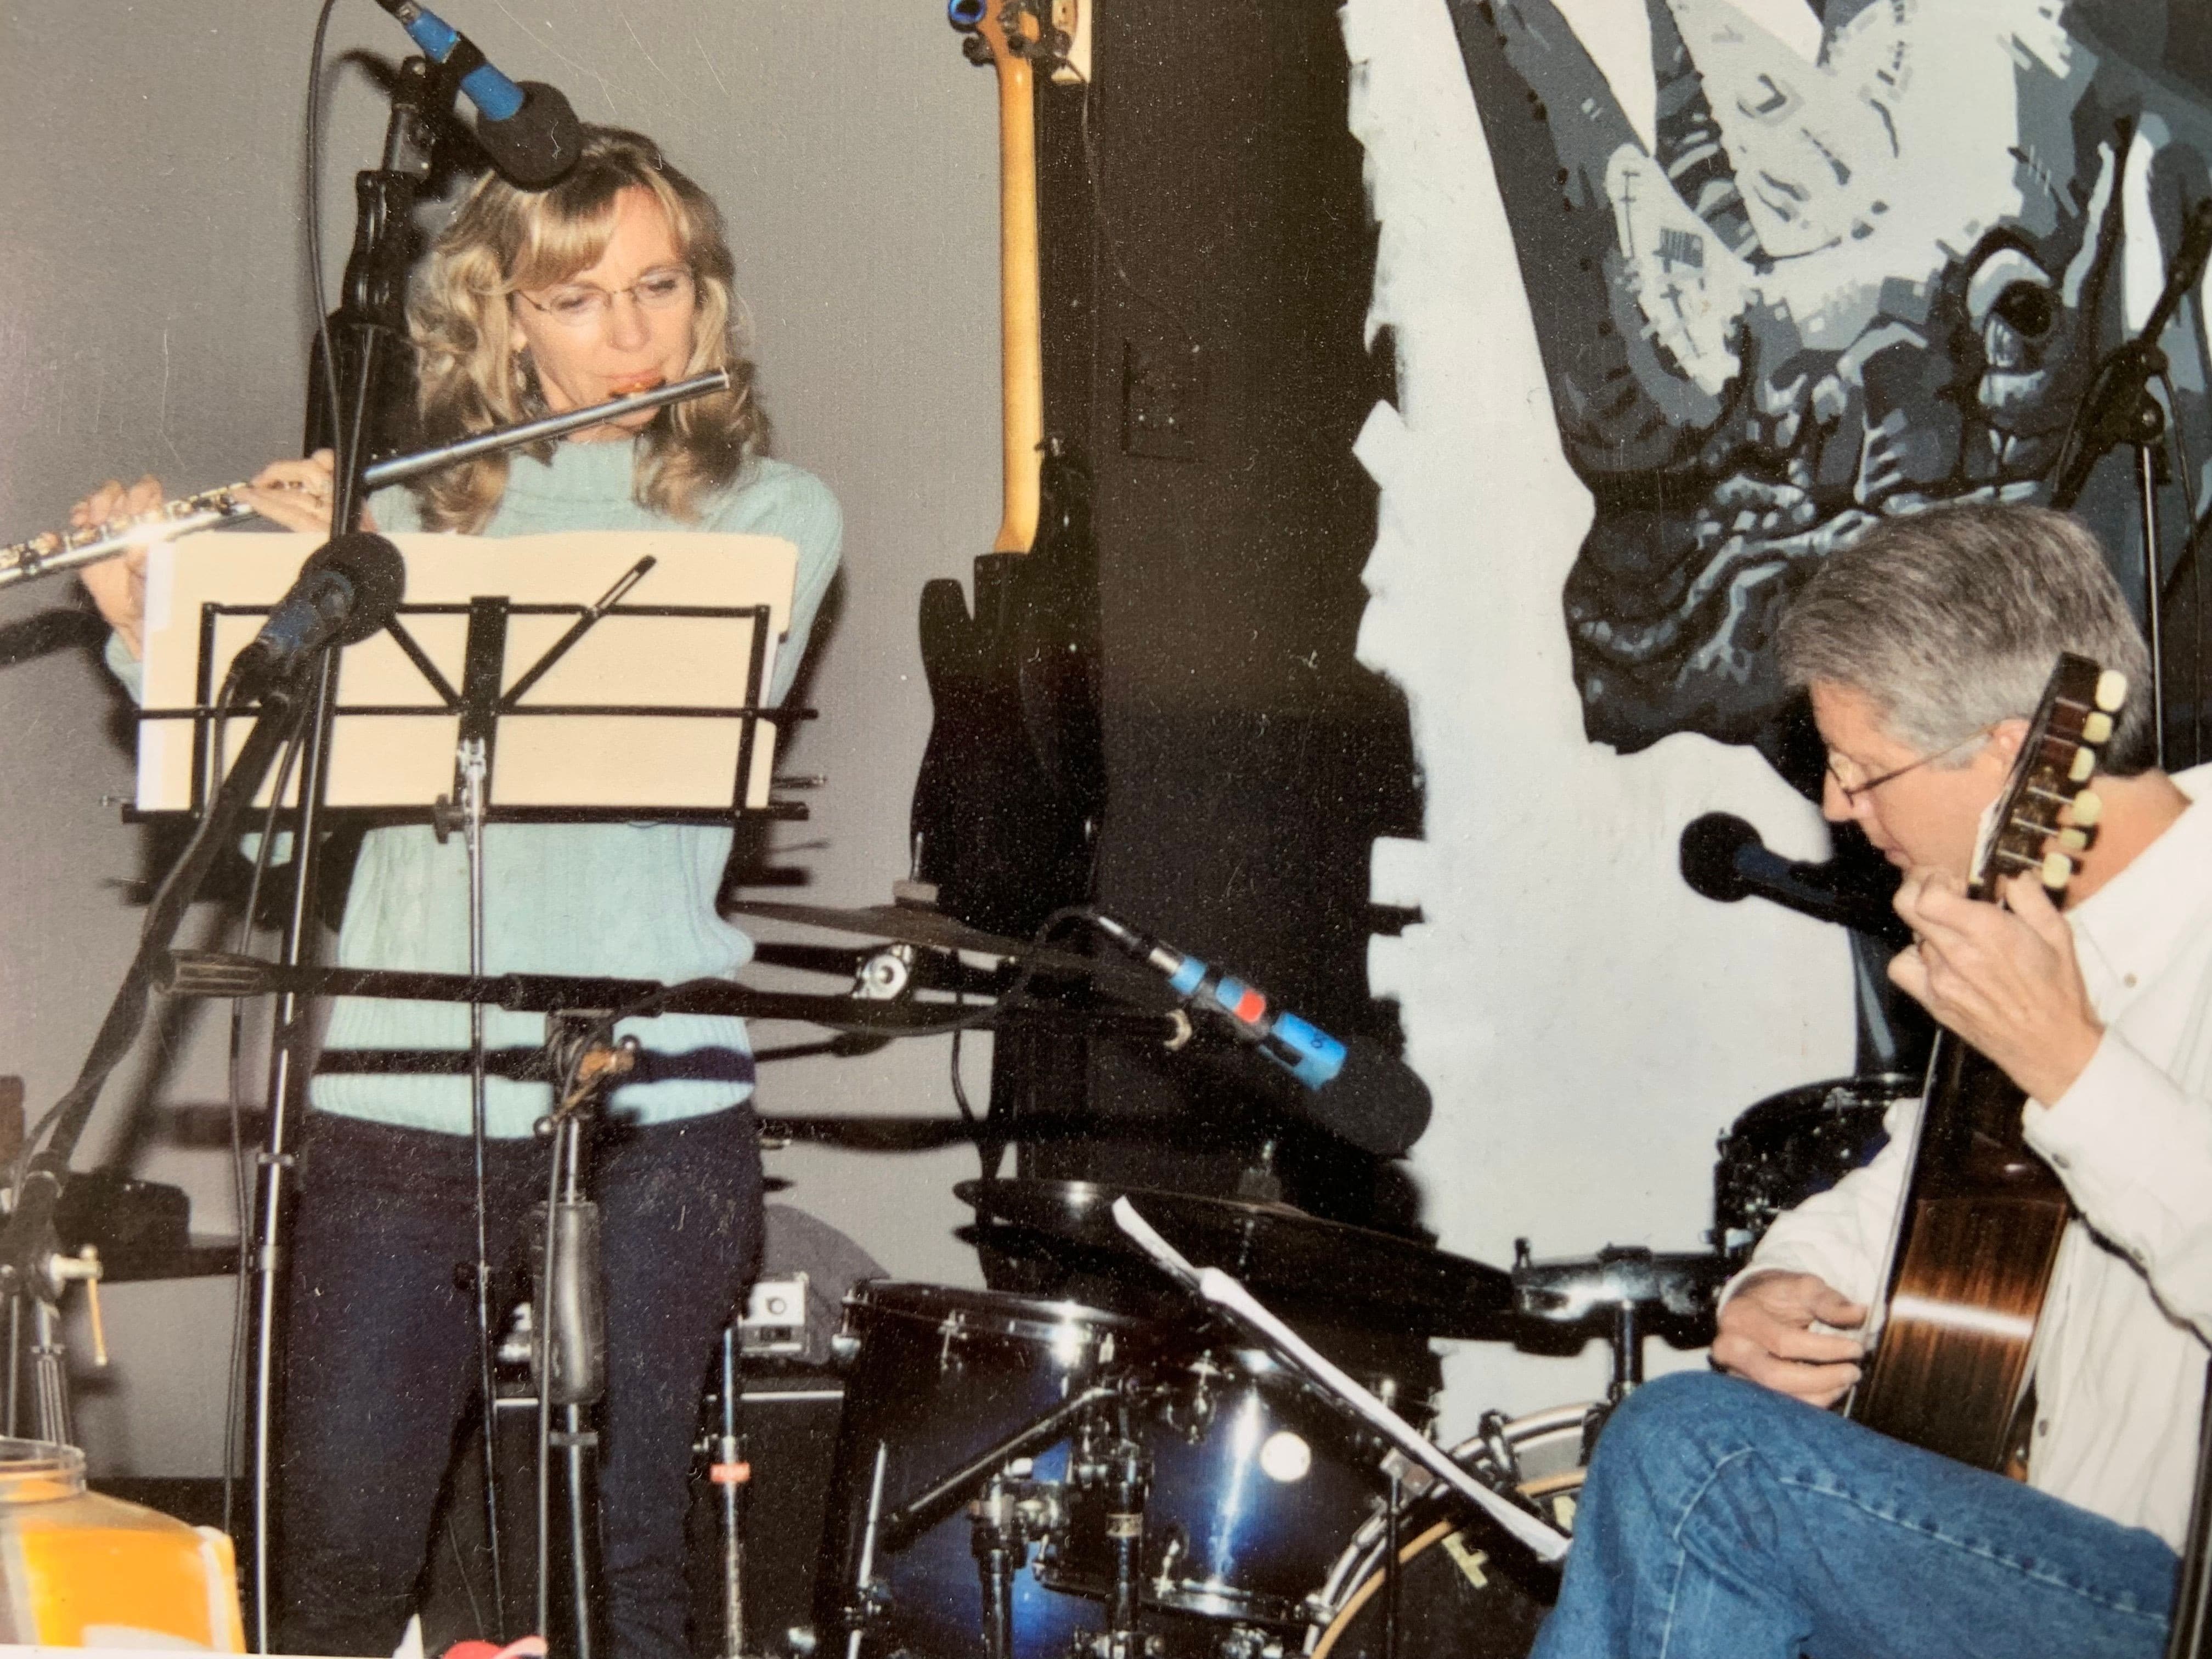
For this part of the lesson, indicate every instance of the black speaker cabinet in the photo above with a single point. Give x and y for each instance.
(788, 1423)
(788, 1419)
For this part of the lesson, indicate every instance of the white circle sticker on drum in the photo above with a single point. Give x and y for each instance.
(1284, 1456)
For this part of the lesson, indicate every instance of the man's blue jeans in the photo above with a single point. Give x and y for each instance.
(1723, 1520)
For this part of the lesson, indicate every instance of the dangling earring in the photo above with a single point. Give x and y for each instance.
(529, 397)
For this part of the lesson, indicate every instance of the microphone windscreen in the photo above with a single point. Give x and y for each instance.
(379, 575)
(534, 147)
(1376, 1101)
(1710, 846)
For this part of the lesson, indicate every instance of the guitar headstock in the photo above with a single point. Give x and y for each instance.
(1010, 32)
(2072, 724)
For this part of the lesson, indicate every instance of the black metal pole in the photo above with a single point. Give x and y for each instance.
(289, 1061)
(2146, 454)
(373, 312)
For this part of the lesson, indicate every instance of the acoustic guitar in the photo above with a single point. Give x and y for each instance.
(1982, 1216)
(1011, 788)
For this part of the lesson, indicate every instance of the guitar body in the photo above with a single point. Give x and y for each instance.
(1012, 782)
(1979, 1231)
(1983, 1220)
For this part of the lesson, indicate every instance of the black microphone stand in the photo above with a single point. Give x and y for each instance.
(2119, 408)
(30, 1259)
(372, 319)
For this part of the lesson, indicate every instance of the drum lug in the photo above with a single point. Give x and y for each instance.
(954, 1327)
(1497, 1449)
(1115, 1645)
(1249, 1642)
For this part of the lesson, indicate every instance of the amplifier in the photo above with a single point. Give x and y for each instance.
(787, 1420)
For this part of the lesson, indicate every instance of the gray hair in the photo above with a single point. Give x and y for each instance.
(1951, 620)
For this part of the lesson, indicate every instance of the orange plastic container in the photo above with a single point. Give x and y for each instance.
(78, 1570)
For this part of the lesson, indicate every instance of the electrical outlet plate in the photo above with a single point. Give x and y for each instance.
(1072, 18)
(1162, 396)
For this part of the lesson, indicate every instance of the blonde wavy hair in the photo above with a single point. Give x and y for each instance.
(471, 378)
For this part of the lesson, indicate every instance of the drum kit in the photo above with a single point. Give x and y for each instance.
(1131, 1473)
(1024, 1478)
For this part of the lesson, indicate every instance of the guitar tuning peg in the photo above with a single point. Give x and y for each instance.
(2074, 840)
(2085, 762)
(2057, 871)
(2097, 728)
(2088, 806)
(2111, 690)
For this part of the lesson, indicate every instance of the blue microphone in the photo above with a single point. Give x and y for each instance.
(1307, 1052)
(1356, 1089)
(528, 130)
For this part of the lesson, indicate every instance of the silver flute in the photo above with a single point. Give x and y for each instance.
(58, 550)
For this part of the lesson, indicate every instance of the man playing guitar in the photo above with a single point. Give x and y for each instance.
(1730, 1517)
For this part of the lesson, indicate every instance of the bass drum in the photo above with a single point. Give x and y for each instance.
(1466, 1590)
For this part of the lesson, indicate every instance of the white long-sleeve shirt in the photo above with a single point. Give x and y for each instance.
(2121, 1367)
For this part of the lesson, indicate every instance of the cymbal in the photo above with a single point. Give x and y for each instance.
(908, 924)
(1364, 1276)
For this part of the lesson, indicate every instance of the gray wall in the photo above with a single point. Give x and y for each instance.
(153, 311)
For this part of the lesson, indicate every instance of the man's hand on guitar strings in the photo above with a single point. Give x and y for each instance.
(1765, 1334)
(2005, 979)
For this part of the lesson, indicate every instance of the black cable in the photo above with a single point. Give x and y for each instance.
(959, 1083)
(1105, 223)
(315, 221)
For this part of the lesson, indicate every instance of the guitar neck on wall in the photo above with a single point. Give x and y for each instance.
(1982, 1216)
(1008, 37)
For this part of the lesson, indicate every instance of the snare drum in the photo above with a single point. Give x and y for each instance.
(1466, 1589)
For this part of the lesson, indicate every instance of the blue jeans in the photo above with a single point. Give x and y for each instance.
(1723, 1520)
(381, 1358)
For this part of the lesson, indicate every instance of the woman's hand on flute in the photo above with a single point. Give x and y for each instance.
(117, 586)
(297, 494)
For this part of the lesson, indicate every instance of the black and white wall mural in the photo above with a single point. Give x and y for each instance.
(1684, 293)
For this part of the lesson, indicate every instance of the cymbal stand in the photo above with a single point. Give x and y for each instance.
(731, 1476)
(865, 1592)
(1000, 1543)
(1128, 1480)
(1393, 1568)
